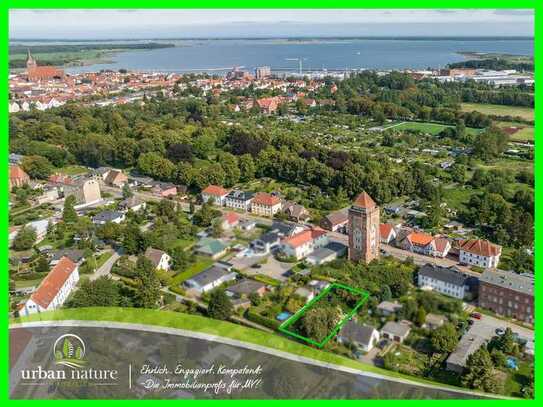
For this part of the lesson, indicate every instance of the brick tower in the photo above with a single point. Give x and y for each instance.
(364, 236)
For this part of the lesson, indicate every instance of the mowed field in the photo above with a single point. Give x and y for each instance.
(527, 113)
(522, 132)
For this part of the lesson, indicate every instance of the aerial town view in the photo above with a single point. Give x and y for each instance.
(355, 196)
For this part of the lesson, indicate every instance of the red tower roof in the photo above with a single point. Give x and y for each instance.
(364, 201)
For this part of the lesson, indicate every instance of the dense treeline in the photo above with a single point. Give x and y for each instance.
(494, 64)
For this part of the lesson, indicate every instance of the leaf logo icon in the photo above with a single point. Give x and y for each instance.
(69, 350)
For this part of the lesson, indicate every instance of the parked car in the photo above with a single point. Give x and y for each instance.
(500, 331)
(476, 315)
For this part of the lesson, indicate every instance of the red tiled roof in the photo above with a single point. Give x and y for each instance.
(16, 172)
(385, 229)
(51, 285)
(480, 247)
(420, 239)
(231, 217)
(304, 237)
(263, 198)
(441, 243)
(364, 201)
(215, 190)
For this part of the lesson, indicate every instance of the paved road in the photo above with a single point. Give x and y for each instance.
(105, 269)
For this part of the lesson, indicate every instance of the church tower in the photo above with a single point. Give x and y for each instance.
(30, 62)
(364, 239)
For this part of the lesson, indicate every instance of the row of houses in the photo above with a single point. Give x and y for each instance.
(260, 203)
(504, 292)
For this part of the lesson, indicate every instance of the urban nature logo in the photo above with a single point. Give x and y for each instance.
(69, 351)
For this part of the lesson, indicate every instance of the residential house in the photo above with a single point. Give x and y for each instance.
(448, 281)
(133, 204)
(116, 178)
(266, 242)
(268, 105)
(160, 259)
(328, 253)
(215, 193)
(295, 212)
(305, 292)
(54, 289)
(423, 243)
(77, 256)
(265, 204)
(336, 221)
(164, 189)
(387, 232)
(318, 285)
(246, 287)
(210, 278)
(40, 226)
(108, 216)
(395, 331)
(239, 200)
(508, 293)
(247, 224)
(387, 308)
(304, 243)
(209, 247)
(362, 337)
(17, 177)
(442, 246)
(49, 194)
(479, 253)
(230, 220)
(434, 321)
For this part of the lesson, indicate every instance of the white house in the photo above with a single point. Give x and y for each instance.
(446, 281)
(54, 288)
(210, 278)
(239, 200)
(265, 204)
(108, 216)
(161, 260)
(40, 226)
(363, 337)
(133, 204)
(216, 193)
(304, 243)
(480, 253)
(387, 232)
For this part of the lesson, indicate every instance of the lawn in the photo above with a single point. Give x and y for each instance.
(201, 264)
(182, 243)
(525, 132)
(28, 283)
(74, 170)
(516, 379)
(214, 327)
(527, 113)
(457, 197)
(431, 128)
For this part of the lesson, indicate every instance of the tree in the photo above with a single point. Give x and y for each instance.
(318, 322)
(147, 283)
(479, 372)
(444, 338)
(37, 167)
(69, 215)
(25, 239)
(506, 342)
(421, 316)
(42, 265)
(220, 306)
(102, 292)
(127, 192)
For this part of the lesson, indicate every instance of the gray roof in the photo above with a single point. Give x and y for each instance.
(245, 287)
(396, 328)
(130, 202)
(283, 228)
(469, 344)
(337, 247)
(354, 332)
(321, 254)
(521, 283)
(240, 195)
(448, 275)
(107, 216)
(209, 275)
(270, 237)
(338, 216)
(389, 306)
(75, 255)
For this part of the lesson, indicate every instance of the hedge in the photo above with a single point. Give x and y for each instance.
(259, 319)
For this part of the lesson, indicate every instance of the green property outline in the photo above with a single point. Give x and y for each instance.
(292, 319)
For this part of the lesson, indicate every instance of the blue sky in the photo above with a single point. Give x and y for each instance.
(101, 24)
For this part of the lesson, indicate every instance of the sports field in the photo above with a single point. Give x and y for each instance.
(527, 113)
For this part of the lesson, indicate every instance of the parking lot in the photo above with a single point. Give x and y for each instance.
(486, 328)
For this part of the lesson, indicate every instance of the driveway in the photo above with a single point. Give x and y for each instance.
(105, 269)
(272, 268)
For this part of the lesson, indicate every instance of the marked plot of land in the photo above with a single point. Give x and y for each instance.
(321, 318)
